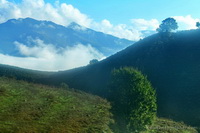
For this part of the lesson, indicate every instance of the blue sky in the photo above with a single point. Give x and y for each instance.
(120, 11)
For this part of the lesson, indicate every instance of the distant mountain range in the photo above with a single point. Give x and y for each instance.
(23, 30)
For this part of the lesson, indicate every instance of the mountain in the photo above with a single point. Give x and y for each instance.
(170, 61)
(26, 30)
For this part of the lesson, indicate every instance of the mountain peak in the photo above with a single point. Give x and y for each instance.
(29, 21)
(21, 20)
(76, 26)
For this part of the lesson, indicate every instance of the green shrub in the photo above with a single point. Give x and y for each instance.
(134, 99)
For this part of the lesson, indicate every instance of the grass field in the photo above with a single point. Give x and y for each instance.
(33, 108)
(27, 107)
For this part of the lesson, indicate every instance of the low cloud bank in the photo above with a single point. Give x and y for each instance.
(47, 57)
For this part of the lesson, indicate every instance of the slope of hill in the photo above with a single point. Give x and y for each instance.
(22, 74)
(25, 30)
(171, 62)
(27, 107)
(163, 125)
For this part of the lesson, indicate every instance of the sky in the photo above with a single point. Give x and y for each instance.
(118, 11)
(124, 19)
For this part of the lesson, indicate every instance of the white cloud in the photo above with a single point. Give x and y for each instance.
(62, 14)
(46, 57)
(106, 23)
(120, 30)
(142, 24)
(39, 50)
(186, 22)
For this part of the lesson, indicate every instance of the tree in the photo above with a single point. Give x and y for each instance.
(133, 98)
(198, 24)
(93, 61)
(168, 25)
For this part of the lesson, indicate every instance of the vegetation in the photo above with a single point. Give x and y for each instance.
(171, 64)
(23, 74)
(162, 125)
(198, 24)
(27, 107)
(133, 98)
(93, 61)
(168, 25)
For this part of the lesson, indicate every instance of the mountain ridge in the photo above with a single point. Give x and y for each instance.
(21, 30)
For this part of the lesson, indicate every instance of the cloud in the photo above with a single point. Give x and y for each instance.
(106, 23)
(133, 32)
(46, 57)
(186, 22)
(120, 30)
(62, 14)
(142, 24)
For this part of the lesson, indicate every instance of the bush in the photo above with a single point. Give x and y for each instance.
(133, 98)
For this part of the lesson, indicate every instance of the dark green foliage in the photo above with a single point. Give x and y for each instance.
(64, 86)
(168, 25)
(133, 97)
(32, 108)
(198, 24)
(23, 74)
(94, 61)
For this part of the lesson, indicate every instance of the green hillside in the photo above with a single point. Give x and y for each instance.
(32, 108)
(168, 126)
(171, 63)
(23, 74)
(27, 107)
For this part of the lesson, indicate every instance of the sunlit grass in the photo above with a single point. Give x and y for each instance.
(27, 107)
(162, 125)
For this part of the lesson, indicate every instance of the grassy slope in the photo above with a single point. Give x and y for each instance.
(23, 74)
(27, 107)
(168, 126)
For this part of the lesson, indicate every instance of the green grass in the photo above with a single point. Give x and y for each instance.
(162, 125)
(27, 107)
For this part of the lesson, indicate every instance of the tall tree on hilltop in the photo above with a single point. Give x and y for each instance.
(168, 25)
(198, 24)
